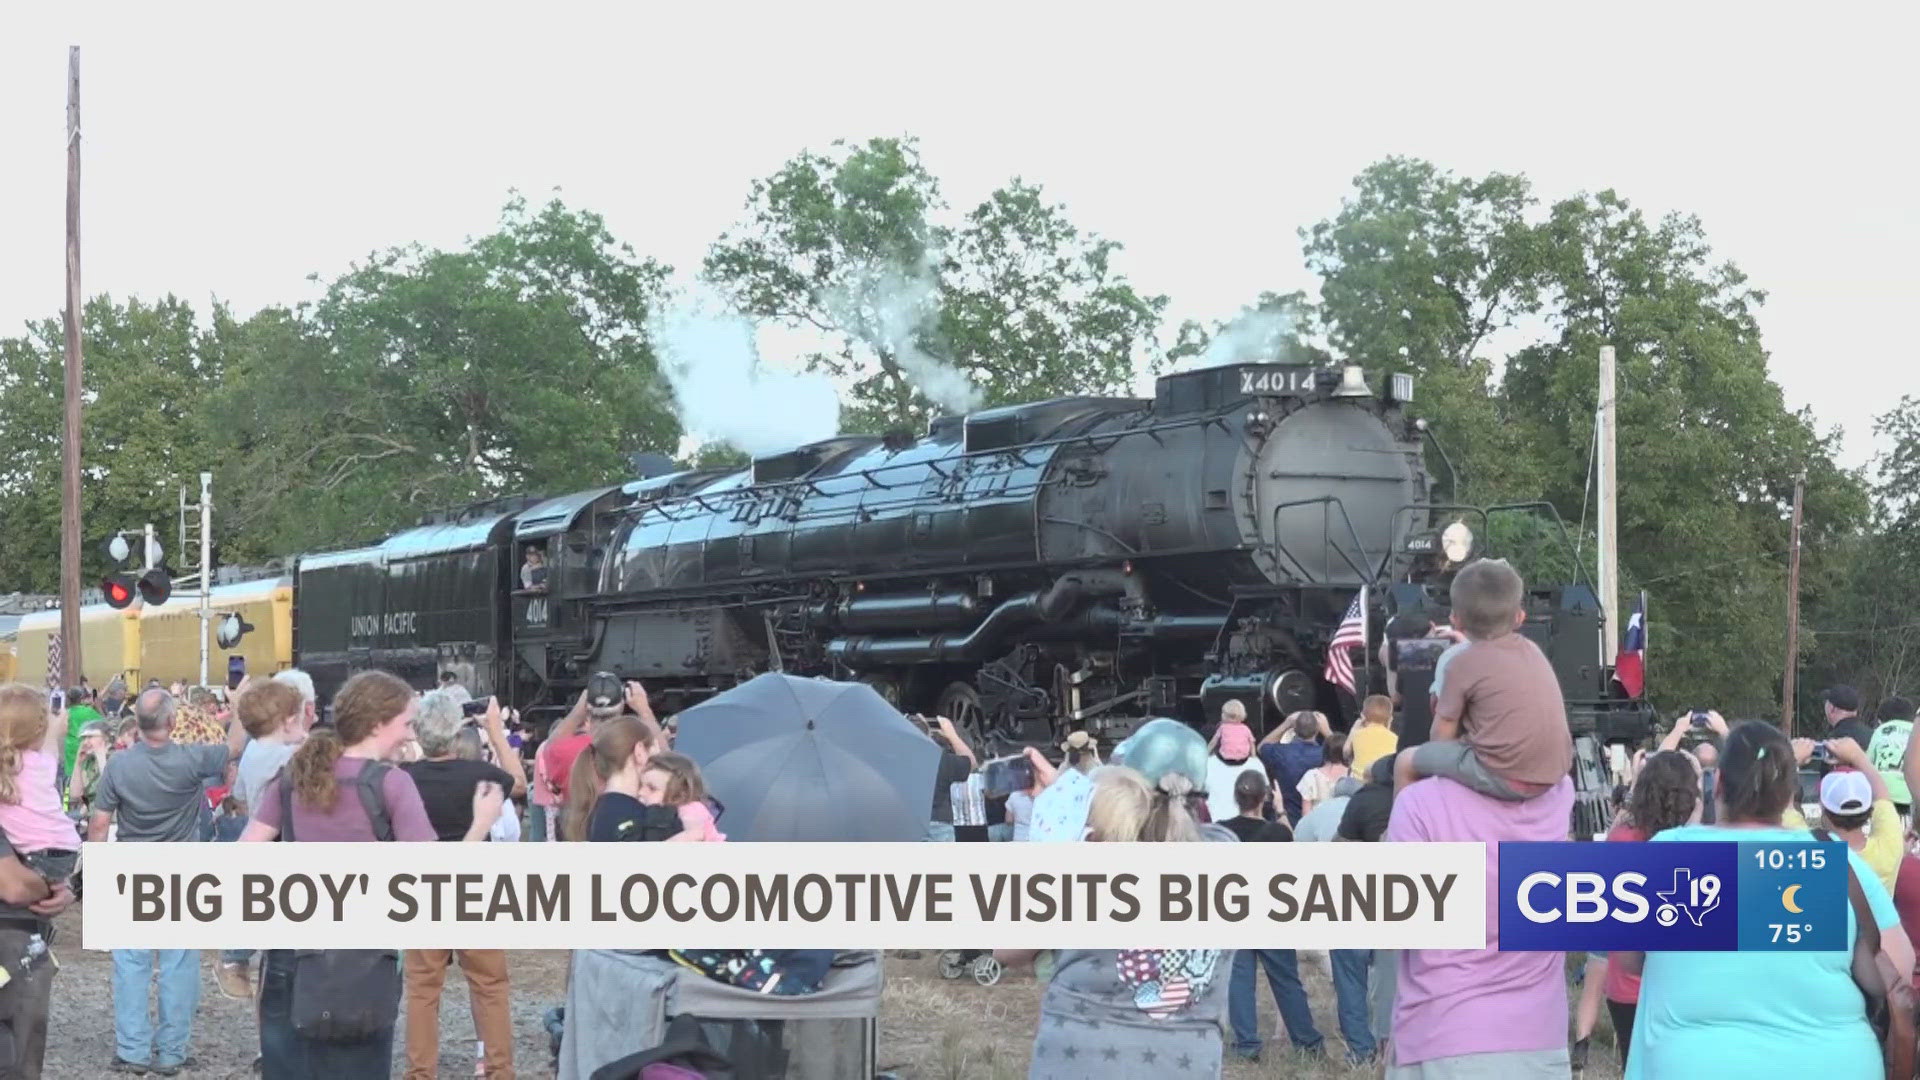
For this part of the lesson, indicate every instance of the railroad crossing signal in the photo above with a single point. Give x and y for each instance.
(153, 584)
(232, 629)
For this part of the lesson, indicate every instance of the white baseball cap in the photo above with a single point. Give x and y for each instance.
(1846, 792)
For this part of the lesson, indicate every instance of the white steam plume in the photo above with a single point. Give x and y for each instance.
(887, 308)
(1253, 337)
(723, 393)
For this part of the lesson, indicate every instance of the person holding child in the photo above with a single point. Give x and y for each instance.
(1499, 722)
(274, 716)
(603, 791)
(673, 780)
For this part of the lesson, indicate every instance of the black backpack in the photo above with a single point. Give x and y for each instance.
(367, 785)
(686, 1046)
(345, 995)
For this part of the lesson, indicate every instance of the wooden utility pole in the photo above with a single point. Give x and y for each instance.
(1609, 524)
(70, 431)
(1793, 612)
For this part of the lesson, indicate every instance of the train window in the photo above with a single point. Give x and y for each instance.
(533, 568)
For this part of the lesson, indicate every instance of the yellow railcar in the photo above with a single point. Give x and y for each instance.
(170, 633)
(109, 644)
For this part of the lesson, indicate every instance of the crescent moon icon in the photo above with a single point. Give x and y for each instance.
(1786, 899)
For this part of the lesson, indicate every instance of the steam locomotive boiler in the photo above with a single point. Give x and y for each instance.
(1071, 564)
(1081, 562)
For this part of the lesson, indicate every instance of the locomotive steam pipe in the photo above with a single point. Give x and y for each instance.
(1049, 605)
(896, 612)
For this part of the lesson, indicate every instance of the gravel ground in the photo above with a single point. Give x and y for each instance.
(225, 1037)
(930, 1028)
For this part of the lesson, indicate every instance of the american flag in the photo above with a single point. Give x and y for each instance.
(1352, 632)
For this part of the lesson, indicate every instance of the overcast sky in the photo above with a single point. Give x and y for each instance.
(231, 152)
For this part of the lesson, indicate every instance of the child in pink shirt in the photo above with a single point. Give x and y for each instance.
(31, 743)
(1233, 738)
(674, 780)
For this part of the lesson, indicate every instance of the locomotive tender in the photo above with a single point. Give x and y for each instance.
(1077, 563)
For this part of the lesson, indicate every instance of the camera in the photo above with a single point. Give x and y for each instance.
(1699, 718)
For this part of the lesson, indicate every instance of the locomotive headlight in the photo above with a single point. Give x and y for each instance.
(1457, 542)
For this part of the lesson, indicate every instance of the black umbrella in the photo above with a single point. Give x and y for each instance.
(808, 759)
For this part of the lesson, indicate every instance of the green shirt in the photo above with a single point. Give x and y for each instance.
(78, 717)
(1886, 750)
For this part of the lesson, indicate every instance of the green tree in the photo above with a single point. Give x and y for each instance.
(1010, 304)
(843, 243)
(1420, 266)
(1708, 451)
(426, 379)
(147, 368)
(1032, 308)
(1862, 619)
(1418, 270)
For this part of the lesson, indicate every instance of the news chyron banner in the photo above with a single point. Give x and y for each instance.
(1674, 897)
(837, 896)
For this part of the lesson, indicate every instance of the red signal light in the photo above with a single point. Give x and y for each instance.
(155, 586)
(119, 589)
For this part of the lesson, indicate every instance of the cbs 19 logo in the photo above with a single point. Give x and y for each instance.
(1582, 896)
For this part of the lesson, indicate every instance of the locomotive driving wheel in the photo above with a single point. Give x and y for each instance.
(960, 703)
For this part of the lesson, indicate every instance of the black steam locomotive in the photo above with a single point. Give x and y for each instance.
(1078, 563)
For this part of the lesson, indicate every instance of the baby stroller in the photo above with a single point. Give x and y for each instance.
(955, 963)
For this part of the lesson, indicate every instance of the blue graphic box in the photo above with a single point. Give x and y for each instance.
(1673, 897)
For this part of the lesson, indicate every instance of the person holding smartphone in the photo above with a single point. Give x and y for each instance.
(957, 762)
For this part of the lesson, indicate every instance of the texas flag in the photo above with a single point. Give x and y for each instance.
(1630, 668)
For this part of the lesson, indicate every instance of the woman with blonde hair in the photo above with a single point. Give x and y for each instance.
(1108, 1011)
(338, 787)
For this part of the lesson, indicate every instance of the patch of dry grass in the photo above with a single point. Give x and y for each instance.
(939, 1029)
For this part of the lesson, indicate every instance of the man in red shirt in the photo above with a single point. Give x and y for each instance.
(603, 699)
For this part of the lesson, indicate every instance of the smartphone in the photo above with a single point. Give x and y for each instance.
(1821, 753)
(236, 671)
(1004, 776)
(474, 708)
(1699, 718)
(57, 700)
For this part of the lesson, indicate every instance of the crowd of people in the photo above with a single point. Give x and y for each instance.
(1493, 767)
(169, 765)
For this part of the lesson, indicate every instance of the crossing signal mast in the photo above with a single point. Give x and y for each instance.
(203, 536)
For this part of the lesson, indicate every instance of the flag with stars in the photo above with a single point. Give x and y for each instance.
(1351, 632)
